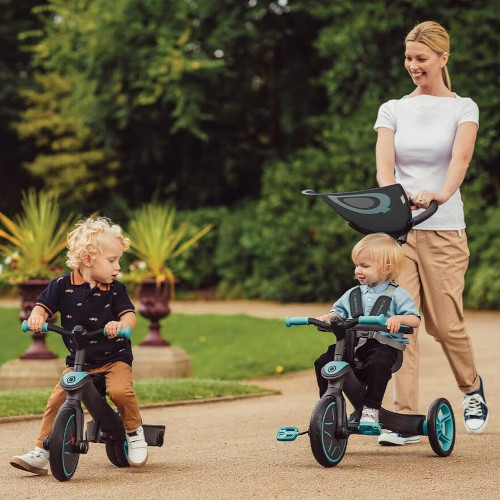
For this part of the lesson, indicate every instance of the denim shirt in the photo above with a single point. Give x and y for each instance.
(401, 304)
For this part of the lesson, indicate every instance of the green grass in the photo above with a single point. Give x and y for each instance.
(223, 350)
(221, 347)
(33, 401)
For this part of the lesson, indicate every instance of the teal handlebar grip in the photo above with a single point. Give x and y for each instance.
(372, 320)
(25, 328)
(126, 332)
(296, 320)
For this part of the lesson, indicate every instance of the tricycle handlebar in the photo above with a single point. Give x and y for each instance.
(351, 323)
(124, 332)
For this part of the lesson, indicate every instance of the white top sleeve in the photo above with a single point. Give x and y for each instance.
(424, 132)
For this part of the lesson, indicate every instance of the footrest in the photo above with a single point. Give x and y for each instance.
(287, 434)
(154, 434)
(370, 429)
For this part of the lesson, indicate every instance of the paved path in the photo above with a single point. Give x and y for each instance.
(227, 450)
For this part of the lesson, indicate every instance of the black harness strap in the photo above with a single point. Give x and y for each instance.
(381, 305)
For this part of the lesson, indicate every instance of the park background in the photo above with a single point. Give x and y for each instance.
(226, 110)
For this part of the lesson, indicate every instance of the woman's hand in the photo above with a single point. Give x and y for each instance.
(423, 199)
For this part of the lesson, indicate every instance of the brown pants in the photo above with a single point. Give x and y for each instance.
(436, 262)
(118, 378)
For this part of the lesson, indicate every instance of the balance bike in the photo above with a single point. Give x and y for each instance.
(67, 440)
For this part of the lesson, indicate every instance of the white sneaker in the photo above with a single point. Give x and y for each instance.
(36, 461)
(137, 448)
(395, 439)
(369, 416)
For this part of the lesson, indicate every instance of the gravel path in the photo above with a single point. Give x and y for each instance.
(227, 450)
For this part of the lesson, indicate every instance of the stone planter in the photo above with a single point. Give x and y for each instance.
(28, 294)
(154, 305)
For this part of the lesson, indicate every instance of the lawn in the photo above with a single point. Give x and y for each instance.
(223, 349)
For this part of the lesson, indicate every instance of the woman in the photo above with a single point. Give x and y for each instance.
(425, 142)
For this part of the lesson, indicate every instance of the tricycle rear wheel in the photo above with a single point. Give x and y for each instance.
(441, 427)
(117, 452)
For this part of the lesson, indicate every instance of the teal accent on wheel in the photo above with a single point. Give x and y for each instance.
(441, 427)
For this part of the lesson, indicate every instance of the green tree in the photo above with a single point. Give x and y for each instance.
(15, 71)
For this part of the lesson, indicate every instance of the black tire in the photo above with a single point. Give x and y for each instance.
(327, 449)
(63, 459)
(117, 453)
(441, 427)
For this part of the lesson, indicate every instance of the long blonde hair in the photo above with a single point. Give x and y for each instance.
(436, 38)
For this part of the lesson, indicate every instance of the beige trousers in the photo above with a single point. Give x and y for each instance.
(118, 378)
(434, 274)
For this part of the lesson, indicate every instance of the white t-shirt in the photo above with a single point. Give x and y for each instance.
(424, 131)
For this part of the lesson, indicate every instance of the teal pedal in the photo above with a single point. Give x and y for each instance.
(370, 429)
(287, 434)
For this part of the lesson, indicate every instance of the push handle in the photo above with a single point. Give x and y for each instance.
(296, 320)
(124, 332)
(428, 212)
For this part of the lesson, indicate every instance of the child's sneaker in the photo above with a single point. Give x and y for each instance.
(395, 439)
(369, 416)
(368, 423)
(475, 410)
(36, 461)
(137, 448)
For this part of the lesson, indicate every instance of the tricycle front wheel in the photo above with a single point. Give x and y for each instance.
(63, 458)
(327, 447)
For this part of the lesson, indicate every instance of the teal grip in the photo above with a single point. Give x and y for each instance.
(126, 332)
(296, 320)
(372, 320)
(26, 328)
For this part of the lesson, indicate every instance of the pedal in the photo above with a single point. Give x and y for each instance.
(370, 429)
(287, 434)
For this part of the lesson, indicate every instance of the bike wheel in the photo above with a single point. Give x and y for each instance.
(327, 448)
(117, 453)
(63, 459)
(441, 427)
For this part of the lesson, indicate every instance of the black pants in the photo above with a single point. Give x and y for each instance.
(377, 360)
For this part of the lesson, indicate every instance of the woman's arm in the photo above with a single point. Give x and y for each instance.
(463, 149)
(385, 157)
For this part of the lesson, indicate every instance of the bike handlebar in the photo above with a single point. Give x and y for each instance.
(361, 320)
(124, 332)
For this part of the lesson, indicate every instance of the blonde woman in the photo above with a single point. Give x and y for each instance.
(425, 142)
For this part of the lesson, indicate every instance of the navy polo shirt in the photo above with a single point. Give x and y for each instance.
(93, 308)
